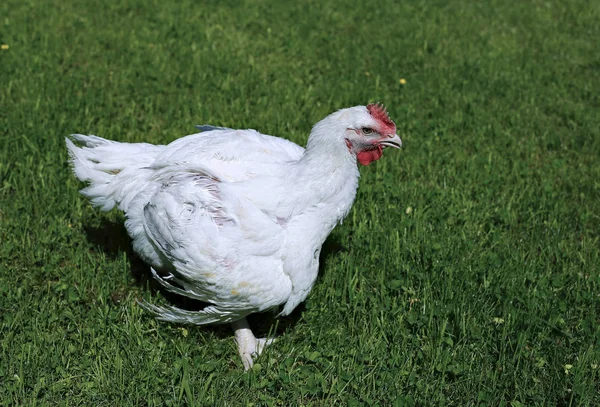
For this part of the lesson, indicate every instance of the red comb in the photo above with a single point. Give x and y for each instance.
(380, 114)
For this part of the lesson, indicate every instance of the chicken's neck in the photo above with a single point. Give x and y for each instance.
(325, 182)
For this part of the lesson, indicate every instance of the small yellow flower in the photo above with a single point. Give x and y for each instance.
(411, 302)
(402, 81)
(568, 369)
(184, 332)
(408, 210)
(5, 46)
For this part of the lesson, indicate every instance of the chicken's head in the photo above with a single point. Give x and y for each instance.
(364, 130)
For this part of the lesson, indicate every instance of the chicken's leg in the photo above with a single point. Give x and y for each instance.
(248, 345)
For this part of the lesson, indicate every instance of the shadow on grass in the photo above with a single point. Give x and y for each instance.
(113, 239)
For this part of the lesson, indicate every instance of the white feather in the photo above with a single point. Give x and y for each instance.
(234, 217)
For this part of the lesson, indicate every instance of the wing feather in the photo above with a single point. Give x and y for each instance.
(223, 249)
(209, 315)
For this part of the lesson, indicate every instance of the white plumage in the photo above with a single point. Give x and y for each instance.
(234, 218)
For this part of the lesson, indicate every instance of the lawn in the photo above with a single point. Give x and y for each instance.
(467, 273)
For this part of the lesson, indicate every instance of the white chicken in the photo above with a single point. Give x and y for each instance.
(234, 218)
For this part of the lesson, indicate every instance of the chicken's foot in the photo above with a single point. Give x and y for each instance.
(248, 345)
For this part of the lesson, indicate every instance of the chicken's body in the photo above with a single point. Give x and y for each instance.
(234, 218)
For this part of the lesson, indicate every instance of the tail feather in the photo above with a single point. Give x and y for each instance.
(115, 171)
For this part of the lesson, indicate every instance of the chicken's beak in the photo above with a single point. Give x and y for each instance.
(392, 140)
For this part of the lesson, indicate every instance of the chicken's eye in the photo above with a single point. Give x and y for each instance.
(367, 131)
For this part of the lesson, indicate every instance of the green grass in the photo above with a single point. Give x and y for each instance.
(467, 273)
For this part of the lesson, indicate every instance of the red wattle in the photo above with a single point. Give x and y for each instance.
(366, 157)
